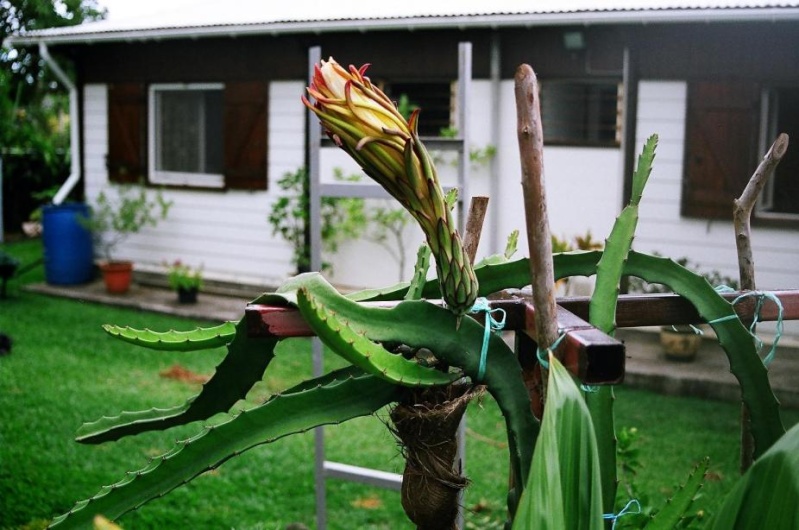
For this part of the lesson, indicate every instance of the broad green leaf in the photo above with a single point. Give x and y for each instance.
(602, 315)
(196, 339)
(767, 496)
(330, 399)
(563, 488)
(242, 367)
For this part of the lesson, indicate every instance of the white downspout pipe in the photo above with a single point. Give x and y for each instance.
(74, 126)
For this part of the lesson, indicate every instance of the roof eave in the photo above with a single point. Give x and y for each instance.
(665, 16)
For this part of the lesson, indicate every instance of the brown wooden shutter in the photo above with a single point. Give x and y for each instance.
(127, 132)
(721, 146)
(246, 135)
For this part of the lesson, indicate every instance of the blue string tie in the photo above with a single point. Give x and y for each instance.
(627, 510)
(542, 353)
(492, 324)
(760, 300)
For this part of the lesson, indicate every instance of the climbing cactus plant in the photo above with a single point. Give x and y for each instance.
(563, 468)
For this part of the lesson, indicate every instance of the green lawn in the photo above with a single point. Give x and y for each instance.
(64, 370)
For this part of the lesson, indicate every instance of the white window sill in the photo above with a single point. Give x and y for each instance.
(195, 180)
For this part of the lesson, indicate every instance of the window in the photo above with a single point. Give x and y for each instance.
(436, 101)
(187, 146)
(780, 199)
(581, 113)
(200, 135)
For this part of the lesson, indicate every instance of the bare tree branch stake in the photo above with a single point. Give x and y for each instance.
(531, 152)
(474, 225)
(742, 213)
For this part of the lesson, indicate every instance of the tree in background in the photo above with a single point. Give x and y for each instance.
(34, 109)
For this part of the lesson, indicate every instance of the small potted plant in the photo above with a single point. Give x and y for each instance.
(680, 342)
(185, 280)
(114, 219)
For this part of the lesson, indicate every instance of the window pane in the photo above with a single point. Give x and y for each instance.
(785, 194)
(580, 113)
(434, 100)
(214, 143)
(189, 131)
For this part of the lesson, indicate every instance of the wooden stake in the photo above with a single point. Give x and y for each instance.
(744, 206)
(742, 214)
(474, 225)
(539, 241)
(531, 152)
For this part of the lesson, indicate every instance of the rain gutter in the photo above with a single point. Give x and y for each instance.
(74, 125)
(492, 21)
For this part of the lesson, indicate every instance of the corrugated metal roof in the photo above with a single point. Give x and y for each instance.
(198, 18)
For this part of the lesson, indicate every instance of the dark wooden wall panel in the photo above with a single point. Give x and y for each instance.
(761, 50)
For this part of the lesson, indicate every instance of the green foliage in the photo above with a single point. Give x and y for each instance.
(564, 489)
(193, 340)
(57, 471)
(7, 260)
(602, 315)
(331, 399)
(233, 378)
(569, 469)
(405, 106)
(34, 110)
(114, 219)
(314, 301)
(478, 156)
(767, 496)
(20, 16)
(713, 277)
(419, 273)
(448, 132)
(386, 227)
(675, 509)
(342, 218)
(182, 276)
(578, 242)
(481, 156)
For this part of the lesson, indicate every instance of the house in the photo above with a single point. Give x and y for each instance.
(207, 104)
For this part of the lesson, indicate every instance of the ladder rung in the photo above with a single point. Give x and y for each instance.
(365, 475)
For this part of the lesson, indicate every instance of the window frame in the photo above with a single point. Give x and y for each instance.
(177, 178)
(768, 132)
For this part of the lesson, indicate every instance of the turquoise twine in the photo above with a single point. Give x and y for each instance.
(761, 297)
(481, 305)
(541, 353)
(624, 511)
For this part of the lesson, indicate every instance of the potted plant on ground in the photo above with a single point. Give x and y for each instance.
(185, 280)
(113, 219)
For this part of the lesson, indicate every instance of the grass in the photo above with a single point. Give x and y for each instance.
(63, 371)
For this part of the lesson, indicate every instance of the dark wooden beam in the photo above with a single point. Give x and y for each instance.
(632, 311)
(592, 356)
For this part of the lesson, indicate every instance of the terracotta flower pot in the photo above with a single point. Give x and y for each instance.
(117, 276)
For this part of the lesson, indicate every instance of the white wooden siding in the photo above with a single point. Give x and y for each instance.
(225, 232)
(708, 243)
(584, 185)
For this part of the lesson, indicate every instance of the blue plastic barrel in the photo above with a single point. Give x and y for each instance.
(68, 253)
